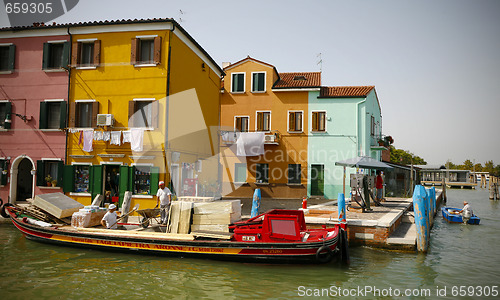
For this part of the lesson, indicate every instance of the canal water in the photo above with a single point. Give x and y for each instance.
(463, 260)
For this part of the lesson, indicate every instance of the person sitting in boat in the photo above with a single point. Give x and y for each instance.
(466, 212)
(110, 218)
(163, 198)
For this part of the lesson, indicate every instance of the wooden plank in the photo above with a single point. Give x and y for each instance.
(220, 218)
(224, 206)
(123, 233)
(216, 227)
(214, 234)
(174, 217)
(185, 217)
(57, 204)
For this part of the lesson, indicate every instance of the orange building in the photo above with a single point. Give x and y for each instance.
(257, 99)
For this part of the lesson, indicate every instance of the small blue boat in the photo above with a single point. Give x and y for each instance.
(451, 215)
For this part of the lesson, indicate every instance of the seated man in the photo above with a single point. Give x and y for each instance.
(110, 218)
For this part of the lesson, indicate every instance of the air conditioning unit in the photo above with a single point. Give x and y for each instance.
(269, 138)
(105, 120)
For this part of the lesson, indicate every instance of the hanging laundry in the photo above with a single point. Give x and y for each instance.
(97, 135)
(106, 136)
(116, 137)
(250, 144)
(136, 139)
(80, 139)
(88, 137)
(126, 136)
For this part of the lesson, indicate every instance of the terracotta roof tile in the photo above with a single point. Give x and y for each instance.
(345, 91)
(298, 80)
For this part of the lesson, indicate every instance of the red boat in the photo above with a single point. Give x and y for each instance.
(276, 236)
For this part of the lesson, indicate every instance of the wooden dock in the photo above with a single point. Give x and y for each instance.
(462, 185)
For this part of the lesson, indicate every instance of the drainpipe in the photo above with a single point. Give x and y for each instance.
(67, 102)
(166, 149)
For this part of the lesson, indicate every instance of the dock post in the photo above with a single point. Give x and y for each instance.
(341, 209)
(444, 192)
(255, 203)
(421, 217)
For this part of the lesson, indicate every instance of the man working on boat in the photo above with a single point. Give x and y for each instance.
(110, 218)
(466, 212)
(163, 198)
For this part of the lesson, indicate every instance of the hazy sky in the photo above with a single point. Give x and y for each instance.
(435, 63)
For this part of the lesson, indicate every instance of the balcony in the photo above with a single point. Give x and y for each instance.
(379, 142)
(231, 137)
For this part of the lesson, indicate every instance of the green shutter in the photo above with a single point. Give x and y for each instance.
(46, 56)
(8, 116)
(60, 172)
(43, 116)
(131, 178)
(69, 179)
(65, 58)
(40, 173)
(155, 178)
(3, 177)
(62, 115)
(96, 183)
(12, 58)
(123, 185)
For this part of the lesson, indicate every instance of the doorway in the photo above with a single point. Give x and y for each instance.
(317, 180)
(111, 183)
(24, 188)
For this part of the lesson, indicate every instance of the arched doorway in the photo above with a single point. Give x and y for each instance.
(24, 180)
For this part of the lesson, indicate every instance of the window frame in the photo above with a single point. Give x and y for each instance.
(41, 167)
(93, 121)
(132, 110)
(289, 129)
(252, 82)
(258, 120)
(8, 111)
(132, 174)
(135, 56)
(242, 167)
(258, 174)
(247, 122)
(47, 63)
(299, 178)
(11, 58)
(233, 91)
(45, 114)
(315, 122)
(74, 165)
(77, 54)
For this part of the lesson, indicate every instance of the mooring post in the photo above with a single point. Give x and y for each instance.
(255, 203)
(341, 209)
(421, 217)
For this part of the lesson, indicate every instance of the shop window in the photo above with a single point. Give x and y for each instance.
(142, 180)
(82, 178)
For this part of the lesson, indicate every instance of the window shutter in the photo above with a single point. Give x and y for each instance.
(40, 173)
(75, 54)
(96, 182)
(68, 179)
(315, 121)
(298, 126)
(134, 51)
(12, 58)
(131, 111)
(45, 61)
(260, 121)
(60, 173)
(155, 178)
(43, 115)
(3, 177)
(8, 115)
(157, 50)
(155, 111)
(65, 59)
(62, 115)
(95, 111)
(97, 53)
(123, 185)
(72, 115)
(131, 177)
(291, 121)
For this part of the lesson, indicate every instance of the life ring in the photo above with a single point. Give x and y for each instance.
(324, 257)
(3, 212)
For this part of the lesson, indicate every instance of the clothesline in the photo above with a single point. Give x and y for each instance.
(134, 136)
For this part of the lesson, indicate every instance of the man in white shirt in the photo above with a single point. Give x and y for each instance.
(466, 212)
(163, 198)
(110, 218)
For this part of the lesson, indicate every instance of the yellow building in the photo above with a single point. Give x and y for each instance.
(256, 98)
(143, 107)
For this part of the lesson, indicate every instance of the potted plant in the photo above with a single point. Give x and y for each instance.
(54, 183)
(48, 179)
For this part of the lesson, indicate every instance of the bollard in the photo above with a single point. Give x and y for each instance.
(255, 203)
(492, 192)
(341, 209)
(421, 217)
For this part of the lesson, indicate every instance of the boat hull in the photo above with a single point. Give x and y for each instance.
(457, 218)
(315, 252)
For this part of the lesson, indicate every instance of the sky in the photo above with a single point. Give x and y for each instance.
(435, 64)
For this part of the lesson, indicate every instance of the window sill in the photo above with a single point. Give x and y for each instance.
(6, 72)
(242, 183)
(145, 128)
(233, 92)
(80, 194)
(143, 196)
(319, 132)
(258, 92)
(4, 130)
(145, 65)
(295, 131)
(262, 183)
(86, 68)
(49, 187)
(51, 130)
(294, 184)
(54, 70)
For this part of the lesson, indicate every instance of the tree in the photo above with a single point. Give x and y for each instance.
(468, 165)
(400, 156)
(478, 167)
(489, 167)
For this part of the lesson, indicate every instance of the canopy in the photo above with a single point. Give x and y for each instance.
(364, 162)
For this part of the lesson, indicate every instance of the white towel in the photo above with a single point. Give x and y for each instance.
(116, 137)
(136, 139)
(106, 136)
(250, 144)
(97, 135)
(126, 136)
(88, 137)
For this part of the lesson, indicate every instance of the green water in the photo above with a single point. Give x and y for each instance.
(460, 255)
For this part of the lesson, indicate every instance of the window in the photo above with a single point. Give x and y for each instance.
(240, 172)
(142, 180)
(258, 82)
(86, 53)
(372, 125)
(83, 113)
(146, 50)
(262, 173)
(237, 82)
(241, 123)
(7, 57)
(143, 113)
(82, 178)
(318, 121)
(4, 165)
(263, 121)
(295, 121)
(5, 110)
(49, 171)
(294, 173)
(55, 55)
(53, 114)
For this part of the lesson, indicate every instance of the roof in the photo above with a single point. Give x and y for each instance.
(345, 91)
(298, 80)
(248, 58)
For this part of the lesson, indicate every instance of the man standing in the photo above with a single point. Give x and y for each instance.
(379, 185)
(163, 198)
(110, 218)
(466, 212)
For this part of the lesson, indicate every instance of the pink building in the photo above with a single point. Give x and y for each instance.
(33, 97)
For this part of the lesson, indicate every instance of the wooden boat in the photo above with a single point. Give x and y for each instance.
(451, 215)
(276, 236)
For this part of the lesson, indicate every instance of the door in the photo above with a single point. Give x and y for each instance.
(24, 180)
(317, 180)
(111, 183)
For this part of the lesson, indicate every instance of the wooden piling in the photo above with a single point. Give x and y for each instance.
(421, 217)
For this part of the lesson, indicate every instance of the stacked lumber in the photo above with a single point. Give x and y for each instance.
(216, 215)
(180, 217)
(57, 204)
